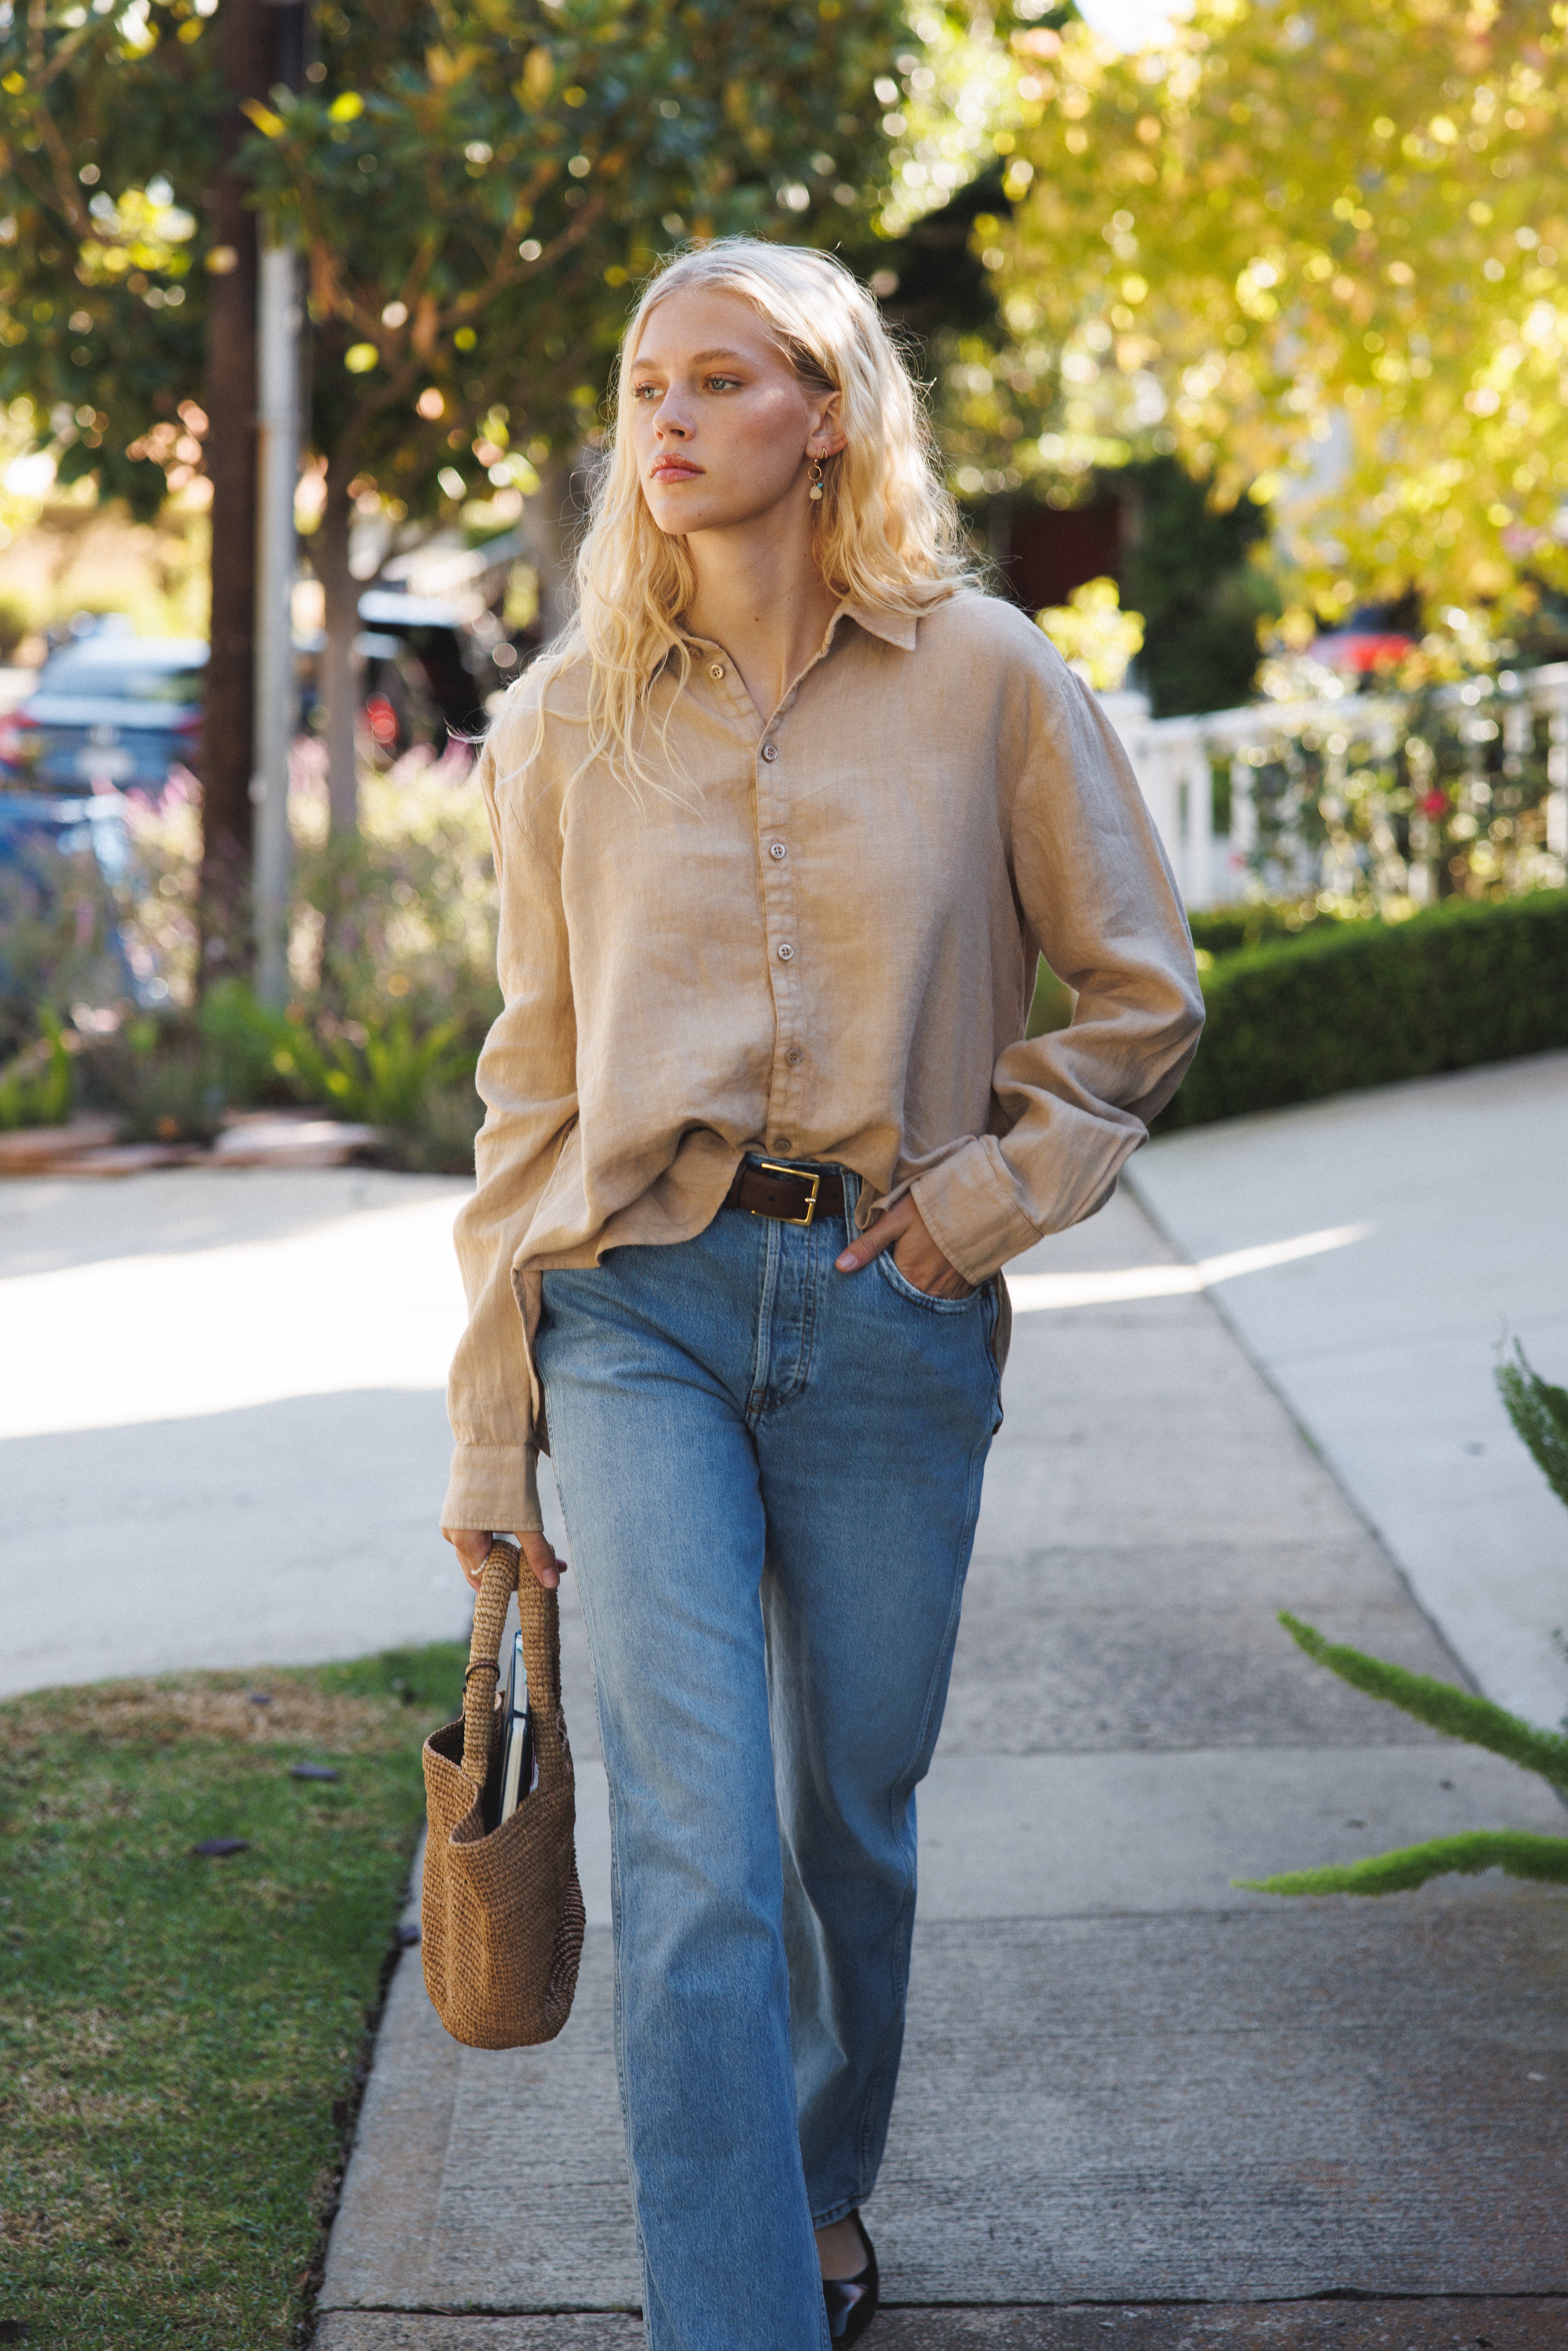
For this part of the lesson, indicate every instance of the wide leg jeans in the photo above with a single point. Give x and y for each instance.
(771, 1473)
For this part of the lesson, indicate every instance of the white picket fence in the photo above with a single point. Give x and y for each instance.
(1174, 760)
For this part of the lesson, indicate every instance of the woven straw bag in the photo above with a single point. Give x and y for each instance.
(502, 1916)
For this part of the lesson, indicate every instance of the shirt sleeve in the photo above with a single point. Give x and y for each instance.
(527, 1079)
(1098, 897)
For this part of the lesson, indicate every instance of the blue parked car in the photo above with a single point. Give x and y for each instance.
(108, 709)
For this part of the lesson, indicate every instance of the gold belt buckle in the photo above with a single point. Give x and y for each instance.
(798, 1175)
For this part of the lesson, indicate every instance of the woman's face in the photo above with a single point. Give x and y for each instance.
(722, 428)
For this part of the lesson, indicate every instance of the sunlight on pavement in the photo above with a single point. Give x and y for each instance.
(1039, 1293)
(372, 1301)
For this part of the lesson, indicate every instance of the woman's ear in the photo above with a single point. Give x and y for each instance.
(827, 436)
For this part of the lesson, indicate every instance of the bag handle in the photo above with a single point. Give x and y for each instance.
(538, 1615)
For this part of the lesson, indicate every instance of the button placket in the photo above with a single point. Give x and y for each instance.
(784, 1107)
(714, 677)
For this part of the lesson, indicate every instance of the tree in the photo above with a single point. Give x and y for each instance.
(246, 61)
(475, 185)
(1187, 571)
(506, 183)
(99, 331)
(1333, 248)
(103, 307)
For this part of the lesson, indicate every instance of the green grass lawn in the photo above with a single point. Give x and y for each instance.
(182, 2040)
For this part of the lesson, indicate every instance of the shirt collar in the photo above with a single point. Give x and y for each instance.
(893, 627)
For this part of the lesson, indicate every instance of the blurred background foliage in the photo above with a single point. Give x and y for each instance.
(1331, 246)
(1255, 317)
(1109, 255)
(1199, 575)
(391, 963)
(1315, 262)
(474, 186)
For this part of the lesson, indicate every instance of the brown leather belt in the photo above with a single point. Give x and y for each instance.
(795, 1196)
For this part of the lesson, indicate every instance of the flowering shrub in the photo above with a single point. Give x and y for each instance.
(403, 916)
(158, 896)
(63, 875)
(1435, 785)
(392, 958)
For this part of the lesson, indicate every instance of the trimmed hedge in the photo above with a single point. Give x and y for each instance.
(1228, 930)
(1358, 1004)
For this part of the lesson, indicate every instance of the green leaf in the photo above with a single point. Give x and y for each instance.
(1540, 1414)
(1456, 1711)
(1517, 1851)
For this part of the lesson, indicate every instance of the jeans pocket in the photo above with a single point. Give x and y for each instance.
(903, 1289)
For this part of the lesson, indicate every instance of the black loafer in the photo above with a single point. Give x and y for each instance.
(852, 2301)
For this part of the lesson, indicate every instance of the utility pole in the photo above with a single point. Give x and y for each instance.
(277, 466)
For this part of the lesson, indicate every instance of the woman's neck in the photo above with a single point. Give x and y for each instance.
(761, 597)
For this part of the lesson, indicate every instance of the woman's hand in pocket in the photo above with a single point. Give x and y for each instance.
(473, 1549)
(915, 1253)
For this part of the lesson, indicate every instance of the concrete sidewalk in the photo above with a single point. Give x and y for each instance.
(1444, 1209)
(203, 1366)
(1138, 2106)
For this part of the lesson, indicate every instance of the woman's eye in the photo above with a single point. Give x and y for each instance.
(724, 383)
(645, 391)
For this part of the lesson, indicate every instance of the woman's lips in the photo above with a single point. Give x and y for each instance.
(675, 469)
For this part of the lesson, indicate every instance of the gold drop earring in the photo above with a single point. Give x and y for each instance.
(816, 490)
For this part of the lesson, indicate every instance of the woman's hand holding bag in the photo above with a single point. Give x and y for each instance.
(502, 1914)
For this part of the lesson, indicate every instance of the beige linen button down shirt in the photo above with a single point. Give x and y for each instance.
(822, 946)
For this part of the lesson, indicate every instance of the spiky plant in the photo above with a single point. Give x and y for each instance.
(1539, 1414)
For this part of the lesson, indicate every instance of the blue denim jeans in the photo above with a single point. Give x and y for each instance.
(771, 1473)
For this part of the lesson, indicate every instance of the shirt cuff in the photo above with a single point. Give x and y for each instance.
(971, 1212)
(494, 1489)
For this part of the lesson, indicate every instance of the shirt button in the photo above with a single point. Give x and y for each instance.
(771, 751)
(793, 1055)
(715, 669)
(786, 955)
(782, 1141)
(777, 848)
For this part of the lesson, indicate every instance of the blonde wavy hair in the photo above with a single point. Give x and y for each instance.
(887, 535)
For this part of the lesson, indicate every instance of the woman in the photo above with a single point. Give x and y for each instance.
(780, 829)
